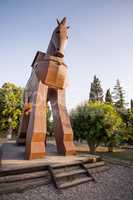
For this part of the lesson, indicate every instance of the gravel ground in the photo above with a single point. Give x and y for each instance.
(114, 184)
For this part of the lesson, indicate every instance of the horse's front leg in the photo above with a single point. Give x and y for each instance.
(63, 130)
(36, 132)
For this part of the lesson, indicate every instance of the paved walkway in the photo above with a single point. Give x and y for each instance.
(13, 156)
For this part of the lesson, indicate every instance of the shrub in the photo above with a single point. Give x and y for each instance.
(96, 122)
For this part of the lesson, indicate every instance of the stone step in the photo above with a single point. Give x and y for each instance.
(75, 182)
(70, 173)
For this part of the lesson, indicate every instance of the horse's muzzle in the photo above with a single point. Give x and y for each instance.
(59, 54)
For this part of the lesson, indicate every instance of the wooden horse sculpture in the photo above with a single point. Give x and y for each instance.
(47, 83)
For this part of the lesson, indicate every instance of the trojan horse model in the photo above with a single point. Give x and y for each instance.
(47, 83)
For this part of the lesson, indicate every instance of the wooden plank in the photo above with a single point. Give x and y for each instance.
(18, 179)
(53, 176)
(70, 173)
(22, 170)
(93, 165)
(87, 171)
(22, 185)
(86, 161)
(75, 182)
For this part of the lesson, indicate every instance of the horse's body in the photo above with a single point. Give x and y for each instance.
(47, 83)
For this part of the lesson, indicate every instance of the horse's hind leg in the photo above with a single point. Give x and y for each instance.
(63, 130)
(21, 139)
(36, 132)
(24, 121)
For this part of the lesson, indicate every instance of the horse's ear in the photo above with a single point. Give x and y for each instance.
(64, 21)
(58, 22)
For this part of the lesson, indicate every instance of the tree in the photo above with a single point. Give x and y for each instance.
(10, 107)
(130, 128)
(131, 104)
(127, 133)
(118, 95)
(50, 126)
(96, 122)
(96, 91)
(108, 97)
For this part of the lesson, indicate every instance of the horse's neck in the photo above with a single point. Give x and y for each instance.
(51, 49)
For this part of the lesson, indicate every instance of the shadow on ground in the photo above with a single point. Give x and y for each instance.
(10, 151)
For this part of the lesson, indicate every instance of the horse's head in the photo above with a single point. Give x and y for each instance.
(59, 38)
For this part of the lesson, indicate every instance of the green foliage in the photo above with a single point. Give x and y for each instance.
(11, 103)
(96, 122)
(131, 105)
(127, 131)
(130, 128)
(10, 106)
(96, 91)
(108, 97)
(118, 95)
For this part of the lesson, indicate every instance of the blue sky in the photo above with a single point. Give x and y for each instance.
(100, 41)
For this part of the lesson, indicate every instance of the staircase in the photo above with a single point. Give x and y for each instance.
(63, 175)
(69, 175)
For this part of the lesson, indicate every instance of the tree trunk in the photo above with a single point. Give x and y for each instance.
(92, 145)
(10, 132)
(110, 149)
(92, 149)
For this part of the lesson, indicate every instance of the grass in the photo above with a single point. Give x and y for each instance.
(126, 154)
(122, 154)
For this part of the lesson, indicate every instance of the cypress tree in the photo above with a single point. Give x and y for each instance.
(131, 104)
(118, 95)
(96, 91)
(108, 96)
